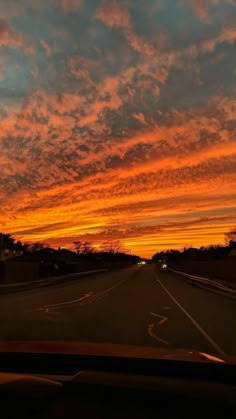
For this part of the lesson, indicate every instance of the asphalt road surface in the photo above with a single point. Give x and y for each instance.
(138, 305)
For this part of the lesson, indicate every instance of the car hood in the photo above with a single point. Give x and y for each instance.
(114, 350)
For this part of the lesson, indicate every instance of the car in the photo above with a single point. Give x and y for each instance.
(142, 262)
(163, 267)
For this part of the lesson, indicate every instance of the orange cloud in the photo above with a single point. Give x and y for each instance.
(201, 9)
(70, 5)
(127, 142)
(46, 47)
(114, 15)
(8, 37)
(200, 6)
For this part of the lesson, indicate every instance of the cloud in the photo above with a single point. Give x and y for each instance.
(41, 229)
(190, 135)
(114, 123)
(69, 6)
(201, 8)
(46, 47)
(117, 16)
(140, 117)
(228, 35)
(3, 28)
(8, 37)
(160, 235)
(114, 15)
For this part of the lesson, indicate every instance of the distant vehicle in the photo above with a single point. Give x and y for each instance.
(142, 262)
(163, 267)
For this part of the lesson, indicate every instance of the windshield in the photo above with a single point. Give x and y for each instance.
(118, 173)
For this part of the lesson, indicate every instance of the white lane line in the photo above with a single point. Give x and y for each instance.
(194, 322)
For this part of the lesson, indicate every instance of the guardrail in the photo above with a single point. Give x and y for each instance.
(206, 283)
(23, 286)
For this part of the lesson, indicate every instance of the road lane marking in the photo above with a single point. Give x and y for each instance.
(193, 321)
(53, 315)
(153, 314)
(163, 319)
(87, 298)
(104, 293)
(151, 326)
(46, 308)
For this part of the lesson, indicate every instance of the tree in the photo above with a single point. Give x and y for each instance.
(7, 241)
(78, 246)
(113, 246)
(230, 238)
(83, 248)
(87, 248)
(35, 247)
(26, 247)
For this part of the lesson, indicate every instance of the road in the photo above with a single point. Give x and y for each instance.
(136, 305)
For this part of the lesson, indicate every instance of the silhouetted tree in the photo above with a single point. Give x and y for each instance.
(78, 246)
(204, 253)
(7, 241)
(83, 248)
(230, 238)
(112, 246)
(35, 247)
(88, 248)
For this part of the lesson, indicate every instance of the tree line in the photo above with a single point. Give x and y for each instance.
(80, 247)
(115, 247)
(8, 242)
(202, 253)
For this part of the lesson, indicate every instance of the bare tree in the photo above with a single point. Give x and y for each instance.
(83, 248)
(78, 246)
(112, 246)
(87, 248)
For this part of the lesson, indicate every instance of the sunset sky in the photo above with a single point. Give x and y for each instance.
(118, 121)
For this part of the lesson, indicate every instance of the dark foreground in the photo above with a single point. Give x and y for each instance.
(137, 306)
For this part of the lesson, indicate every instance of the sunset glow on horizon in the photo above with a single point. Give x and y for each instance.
(118, 122)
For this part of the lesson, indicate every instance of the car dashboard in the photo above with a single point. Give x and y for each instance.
(113, 388)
